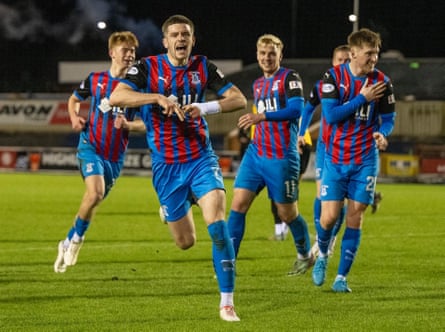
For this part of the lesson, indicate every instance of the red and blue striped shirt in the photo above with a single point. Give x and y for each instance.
(274, 139)
(109, 142)
(349, 140)
(169, 139)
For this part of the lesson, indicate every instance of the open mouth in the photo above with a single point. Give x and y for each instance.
(181, 48)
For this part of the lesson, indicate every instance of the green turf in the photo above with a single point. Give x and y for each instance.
(131, 277)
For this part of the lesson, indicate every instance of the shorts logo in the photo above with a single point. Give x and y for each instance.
(89, 167)
(164, 210)
(324, 190)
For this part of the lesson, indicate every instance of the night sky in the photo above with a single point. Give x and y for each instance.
(37, 34)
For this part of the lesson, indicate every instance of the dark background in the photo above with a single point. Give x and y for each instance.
(36, 35)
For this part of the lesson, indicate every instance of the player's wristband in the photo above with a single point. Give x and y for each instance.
(211, 107)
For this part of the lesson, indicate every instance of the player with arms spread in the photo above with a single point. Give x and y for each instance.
(102, 147)
(184, 164)
(358, 113)
(272, 159)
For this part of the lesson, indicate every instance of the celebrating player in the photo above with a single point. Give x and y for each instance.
(184, 164)
(272, 159)
(101, 146)
(358, 112)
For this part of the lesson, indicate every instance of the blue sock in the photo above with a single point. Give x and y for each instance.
(324, 238)
(317, 212)
(299, 230)
(81, 226)
(339, 222)
(223, 256)
(71, 233)
(349, 247)
(236, 224)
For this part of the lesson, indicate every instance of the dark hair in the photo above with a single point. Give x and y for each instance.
(177, 19)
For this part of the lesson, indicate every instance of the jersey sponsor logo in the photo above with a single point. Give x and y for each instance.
(295, 85)
(267, 105)
(391, 99)
(133, 71)
(327, 88)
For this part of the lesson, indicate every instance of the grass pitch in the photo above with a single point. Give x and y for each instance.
(131, 277)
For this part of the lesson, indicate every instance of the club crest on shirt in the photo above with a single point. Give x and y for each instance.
(194, 75)
(104, 105)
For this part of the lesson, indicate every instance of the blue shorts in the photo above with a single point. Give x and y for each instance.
(91, 163)
(356, 182)
(280, 176)
(178, 185)
(319, 159)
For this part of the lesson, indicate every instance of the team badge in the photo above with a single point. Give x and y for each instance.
(195, 77)
(105, 105)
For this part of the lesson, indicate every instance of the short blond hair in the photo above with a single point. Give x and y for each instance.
(270, 39)
(119, 37)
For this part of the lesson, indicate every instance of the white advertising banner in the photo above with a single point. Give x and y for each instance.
(36, 112)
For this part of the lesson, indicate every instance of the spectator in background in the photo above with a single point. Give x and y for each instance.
(102, 147)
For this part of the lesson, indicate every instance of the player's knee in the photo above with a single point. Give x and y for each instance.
(94, 198)
(185, 242)
(327, 222)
